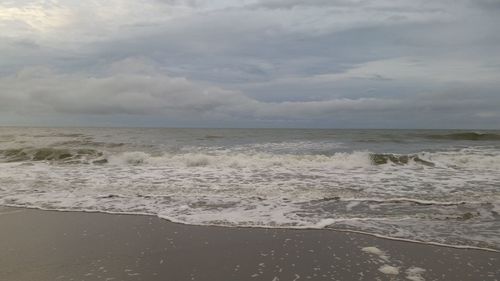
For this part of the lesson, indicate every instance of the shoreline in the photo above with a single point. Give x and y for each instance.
(437, 244)
(71, 245)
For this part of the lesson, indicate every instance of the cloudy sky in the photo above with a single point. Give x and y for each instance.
(251, 63)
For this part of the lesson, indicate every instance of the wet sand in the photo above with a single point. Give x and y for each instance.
(47, 245)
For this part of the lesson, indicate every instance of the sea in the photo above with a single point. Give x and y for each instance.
(430, 186)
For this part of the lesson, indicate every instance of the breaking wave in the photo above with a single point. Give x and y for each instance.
(465, 158)
(356, 159)
(379, 159)
(242, 160)
(61, 155)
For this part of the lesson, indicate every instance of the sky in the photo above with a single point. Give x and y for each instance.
(251, 63)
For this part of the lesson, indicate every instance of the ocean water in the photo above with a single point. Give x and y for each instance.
(430, 186)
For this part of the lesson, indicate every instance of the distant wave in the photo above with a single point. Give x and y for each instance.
(472, 136)
(209, 137)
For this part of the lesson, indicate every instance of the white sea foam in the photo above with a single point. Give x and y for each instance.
(131, 158)
(244, 160)
(376, 251)
(390, 270)
(324, 223)
(469, 158)
(415, 273)
(253, 190)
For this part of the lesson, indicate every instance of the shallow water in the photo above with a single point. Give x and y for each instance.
(430, 186)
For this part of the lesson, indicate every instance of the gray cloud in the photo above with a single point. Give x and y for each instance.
(134, 90)
(135, 87)
(290, 4)
(323, 63)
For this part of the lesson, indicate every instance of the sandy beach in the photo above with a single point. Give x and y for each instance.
(50, 245)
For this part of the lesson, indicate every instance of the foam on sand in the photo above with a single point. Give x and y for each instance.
(390, 270)
(415, 273)
(376, 251)
(383, 257)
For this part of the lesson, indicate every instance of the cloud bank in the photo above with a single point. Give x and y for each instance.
(271, 63)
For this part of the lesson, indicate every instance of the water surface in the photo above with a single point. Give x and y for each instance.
(438, 186)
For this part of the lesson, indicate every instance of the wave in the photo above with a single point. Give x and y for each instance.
(211, 137)
(379, 159)
(243, 160)
(357, 159)
(339, 160)
(83, 155)
(461, 159)
(63, 135)
(87, 143)
(471, 136)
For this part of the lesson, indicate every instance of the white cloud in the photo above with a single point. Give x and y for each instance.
(57, 22)
(32, 18)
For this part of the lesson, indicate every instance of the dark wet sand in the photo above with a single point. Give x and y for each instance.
(45, 245)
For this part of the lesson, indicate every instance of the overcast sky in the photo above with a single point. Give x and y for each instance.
(251, 63)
